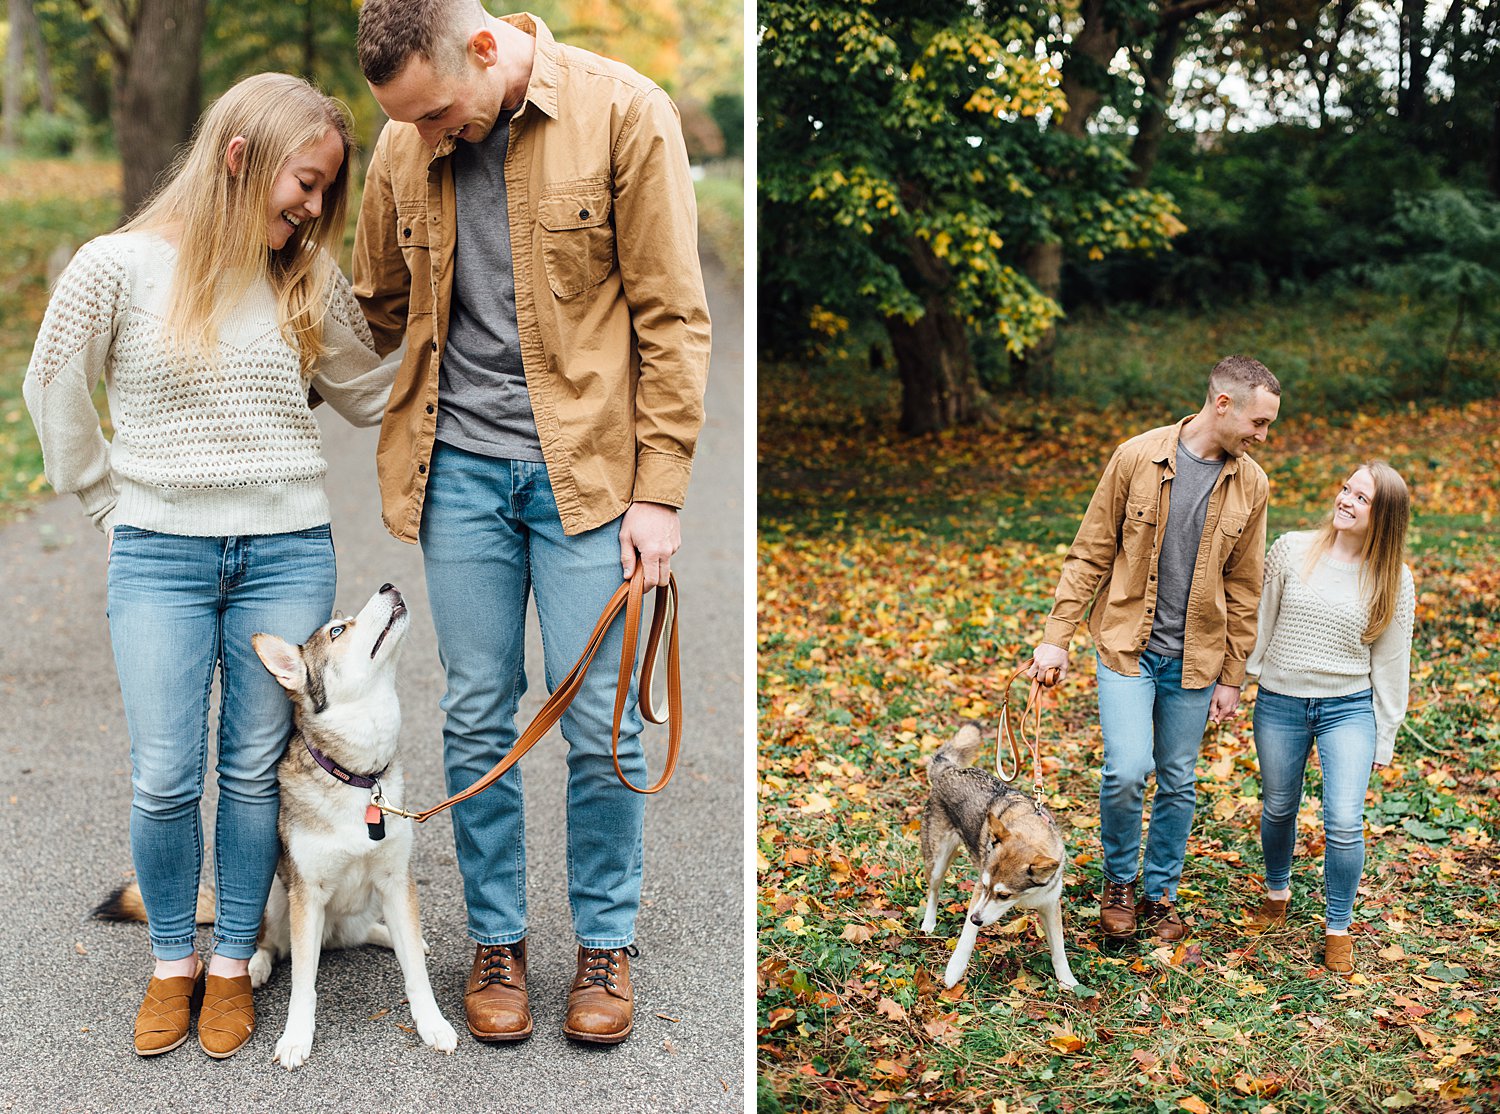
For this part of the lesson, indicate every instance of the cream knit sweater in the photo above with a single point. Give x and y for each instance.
(1308, 644)
(206, 452)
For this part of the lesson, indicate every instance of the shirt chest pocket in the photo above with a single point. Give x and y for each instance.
(578, 237)
(1231, 529)
(411, 233)
(1138, 531)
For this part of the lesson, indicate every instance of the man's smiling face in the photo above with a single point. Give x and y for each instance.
(462, 105)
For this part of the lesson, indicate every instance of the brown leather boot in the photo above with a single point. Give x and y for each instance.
(1161, 920)
(1338, 954)
(228, 1015)
(1117, 912)
(601, 1005)
(495, 999)
(162, 1022)
(1270, 914)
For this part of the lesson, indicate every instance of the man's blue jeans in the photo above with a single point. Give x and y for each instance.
(1344, 727)
(179, 607)
(1151, 723)
(490, 536)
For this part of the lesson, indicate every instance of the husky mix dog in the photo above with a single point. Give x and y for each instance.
(343, 865)
(1013, 841)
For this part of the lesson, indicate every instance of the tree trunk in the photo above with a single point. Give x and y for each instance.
(1151, 124)
(939, 388)
(15, 66)
(156, 92)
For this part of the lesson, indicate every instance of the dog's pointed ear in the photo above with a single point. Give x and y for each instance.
(998, 831)
(282, 659)
(1044, 868)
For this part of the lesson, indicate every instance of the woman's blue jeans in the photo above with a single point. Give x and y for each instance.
(1151, 724)
(178, 608)
(1344, 729)
(491, 536)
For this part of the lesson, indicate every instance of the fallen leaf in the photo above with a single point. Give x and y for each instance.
(1066, 1041)
(1194, 1104)
(378, 1014)
(889, 1007)
(857, 933)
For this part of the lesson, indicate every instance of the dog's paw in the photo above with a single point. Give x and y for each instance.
(929, 922)
(436, 1031)
(260, 968)
(293, 1049)
(954, 972)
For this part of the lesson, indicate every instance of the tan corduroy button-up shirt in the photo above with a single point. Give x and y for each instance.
(610, 304)
(1111, 569)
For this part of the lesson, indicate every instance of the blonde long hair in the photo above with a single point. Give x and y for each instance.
(1384, 553)
(219, 218)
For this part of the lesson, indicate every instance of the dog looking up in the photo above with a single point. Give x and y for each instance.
(343, 865)
(1013, 841)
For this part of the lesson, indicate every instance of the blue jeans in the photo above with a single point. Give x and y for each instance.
(1151, 723)
(1344, 728)
(490, 537)
(178, 608)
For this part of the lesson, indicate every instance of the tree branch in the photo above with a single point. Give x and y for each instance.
(110, 23)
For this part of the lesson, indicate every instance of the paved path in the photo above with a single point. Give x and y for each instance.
(69, 986)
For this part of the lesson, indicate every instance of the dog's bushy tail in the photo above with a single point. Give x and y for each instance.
(961, 750)
(126, 904)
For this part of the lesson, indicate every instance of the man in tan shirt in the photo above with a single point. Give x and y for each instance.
(529, 228)
(1167, 564)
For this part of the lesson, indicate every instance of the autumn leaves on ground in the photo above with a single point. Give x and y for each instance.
(899, 582)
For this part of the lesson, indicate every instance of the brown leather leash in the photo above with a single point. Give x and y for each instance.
(628, 599)
(1031, 716)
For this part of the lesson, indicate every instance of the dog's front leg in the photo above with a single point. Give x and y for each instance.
(959, 963)
(307, 912)
(1052, 928)
(399, 901)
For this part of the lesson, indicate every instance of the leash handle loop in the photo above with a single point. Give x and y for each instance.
(1030, 732)
(628, 599)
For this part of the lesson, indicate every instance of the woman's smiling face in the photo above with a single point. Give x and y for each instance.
(1351, 506)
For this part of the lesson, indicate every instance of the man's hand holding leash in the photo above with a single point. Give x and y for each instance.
(652, 531)
(1049, 664)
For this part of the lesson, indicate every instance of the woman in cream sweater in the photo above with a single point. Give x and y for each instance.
(1333, 657)
(210, 317)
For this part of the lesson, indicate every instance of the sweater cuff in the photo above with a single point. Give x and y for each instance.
(99, 499)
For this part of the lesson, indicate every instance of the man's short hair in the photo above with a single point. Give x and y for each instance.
(391, 31)
(1238, 376)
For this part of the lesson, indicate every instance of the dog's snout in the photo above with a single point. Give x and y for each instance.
(387, 587)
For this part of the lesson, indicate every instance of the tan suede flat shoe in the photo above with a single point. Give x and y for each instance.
(228, 1015)
(165, 1015)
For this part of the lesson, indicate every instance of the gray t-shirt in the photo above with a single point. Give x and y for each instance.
(483, 405)
(1188, 508)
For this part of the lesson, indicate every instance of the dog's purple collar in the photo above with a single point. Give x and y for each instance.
(359, 781)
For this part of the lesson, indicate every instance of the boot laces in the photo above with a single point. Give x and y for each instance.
(496, 966)
(601, 966)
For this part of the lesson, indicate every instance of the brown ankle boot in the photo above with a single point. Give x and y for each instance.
(495, 999)
(162, 1022)
(1338, 954)
(601, 1005)
(1161, 920)
(1270, 914)
(1117, 912)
